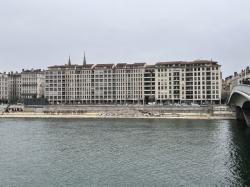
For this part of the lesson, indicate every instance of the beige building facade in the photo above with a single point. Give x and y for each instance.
(197, 81)
(103, 84)
(32, 84)
(14, 86)
(4, 96)
(69, 84)
(165, 82)
(129, 83)
(139, 83)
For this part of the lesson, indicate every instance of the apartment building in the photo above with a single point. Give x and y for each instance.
(55, 84)
(14, 86)
(197, 81)
(95, 84)
(32, 84)
(103, 84)
(149, 84)
(69, 84)
(78, 84)
(236, 79)
(84, 84)
(169, 81)
(165, 82)
(4, 88)
(129, 83)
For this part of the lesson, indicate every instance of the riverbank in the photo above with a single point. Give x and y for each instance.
(116, 116)
(124, 112)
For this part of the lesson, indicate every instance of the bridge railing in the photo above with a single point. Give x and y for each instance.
(243, 88)
(239, 88)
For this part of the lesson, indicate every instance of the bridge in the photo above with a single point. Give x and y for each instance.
(240, 101)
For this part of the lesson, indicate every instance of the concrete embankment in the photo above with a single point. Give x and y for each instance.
(138, 112)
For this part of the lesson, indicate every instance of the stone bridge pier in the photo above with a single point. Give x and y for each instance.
(243, 115)
(240, 101)
(246, 112)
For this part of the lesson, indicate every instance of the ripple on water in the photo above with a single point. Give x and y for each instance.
(123, 153)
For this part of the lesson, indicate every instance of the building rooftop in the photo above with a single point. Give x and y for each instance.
(121, 65)
(125, 65)
(32, 71)
(187, 62)
(103, 66)
(150, 66)
(88, 66)
(64, 66)
(135, 65)
(73, 66)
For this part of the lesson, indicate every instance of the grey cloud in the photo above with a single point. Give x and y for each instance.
(35, 34)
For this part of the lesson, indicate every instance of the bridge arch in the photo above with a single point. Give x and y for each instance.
(246, 105)
(240, 101)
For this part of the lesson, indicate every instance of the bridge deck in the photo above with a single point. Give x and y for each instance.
(240, 100)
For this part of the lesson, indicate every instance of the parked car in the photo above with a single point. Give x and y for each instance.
(194, 104)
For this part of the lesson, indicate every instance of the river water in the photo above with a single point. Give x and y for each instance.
(39, 152)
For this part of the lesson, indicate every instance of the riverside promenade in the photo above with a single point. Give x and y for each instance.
(119, 111)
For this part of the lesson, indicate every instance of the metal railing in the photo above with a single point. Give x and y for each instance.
(243, 88)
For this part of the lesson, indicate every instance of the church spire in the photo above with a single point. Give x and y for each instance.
(84, 60)
(69, 62)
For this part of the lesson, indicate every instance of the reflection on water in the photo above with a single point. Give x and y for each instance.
(239, 154)
(124, 153)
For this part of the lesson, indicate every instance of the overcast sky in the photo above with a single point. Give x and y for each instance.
(39, 33)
